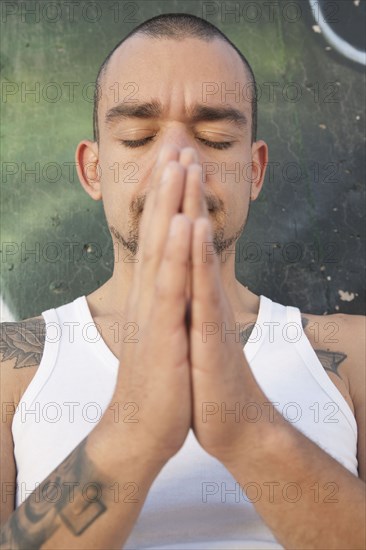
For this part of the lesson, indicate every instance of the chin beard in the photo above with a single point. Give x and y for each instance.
(220, 243)
(130, 243)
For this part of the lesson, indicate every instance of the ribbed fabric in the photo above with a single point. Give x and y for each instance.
(194, 503)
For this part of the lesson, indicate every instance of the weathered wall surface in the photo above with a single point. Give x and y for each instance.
(304, 240)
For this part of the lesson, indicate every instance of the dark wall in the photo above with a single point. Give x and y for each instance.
(304, 240)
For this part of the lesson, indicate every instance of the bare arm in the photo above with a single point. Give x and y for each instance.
(308, 499)
(21, 349)
(91, 500)
(62, 511)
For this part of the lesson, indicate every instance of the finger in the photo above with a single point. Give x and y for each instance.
(172, 275)
(167, 154)
(167, 203)
(187, 156)
(194, 206)
(192, 196)
(194, 203)
(206, 285)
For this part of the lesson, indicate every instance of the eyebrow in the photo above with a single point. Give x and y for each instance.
(197, 113)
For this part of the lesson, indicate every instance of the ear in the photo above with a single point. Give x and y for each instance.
(88, 169)
(259, 165)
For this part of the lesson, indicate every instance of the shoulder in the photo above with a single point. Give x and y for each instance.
(21, 349)
(340, 343)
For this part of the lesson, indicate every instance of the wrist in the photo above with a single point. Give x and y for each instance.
(257, 430)
(115, 448)
(260, 442)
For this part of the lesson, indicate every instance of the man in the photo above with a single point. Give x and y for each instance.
(195, 446)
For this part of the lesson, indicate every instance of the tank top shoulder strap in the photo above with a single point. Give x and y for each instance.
(45, 367)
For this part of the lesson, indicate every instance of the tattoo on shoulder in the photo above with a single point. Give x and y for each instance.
(59, 499)
(304, 321)
(245, 334)
(23, 341)
(329, 359)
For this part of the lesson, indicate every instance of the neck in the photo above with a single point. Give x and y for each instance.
(109, 299)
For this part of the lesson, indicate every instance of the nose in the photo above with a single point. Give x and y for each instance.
(180, 139)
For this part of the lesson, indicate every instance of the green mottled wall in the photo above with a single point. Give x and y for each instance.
(303, 244)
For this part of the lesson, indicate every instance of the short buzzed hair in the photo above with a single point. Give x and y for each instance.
(177, 26)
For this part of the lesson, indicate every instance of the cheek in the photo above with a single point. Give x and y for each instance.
(115, 196)
(118, 180)
(237, 203)
(112, 171)
(124, 175)
(237, 170)
(248, 169)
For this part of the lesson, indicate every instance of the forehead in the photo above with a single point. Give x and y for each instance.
(188, 70)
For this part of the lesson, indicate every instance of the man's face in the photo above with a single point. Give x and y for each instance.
(179, 75)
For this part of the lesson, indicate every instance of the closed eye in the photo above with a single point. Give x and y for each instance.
(141, 142)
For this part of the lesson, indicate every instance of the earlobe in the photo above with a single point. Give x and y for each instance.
(88, 168)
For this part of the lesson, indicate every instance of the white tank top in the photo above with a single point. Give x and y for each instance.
(194, 502)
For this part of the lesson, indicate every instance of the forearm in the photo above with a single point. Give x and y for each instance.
(91, 500)
(307, 498)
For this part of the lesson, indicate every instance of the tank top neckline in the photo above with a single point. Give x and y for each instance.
(250, 348)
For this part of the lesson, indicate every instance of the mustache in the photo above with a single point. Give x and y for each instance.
(138, 203)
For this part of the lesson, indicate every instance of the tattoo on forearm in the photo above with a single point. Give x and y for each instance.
(330, 360)
(66, 496)
(23, 341)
